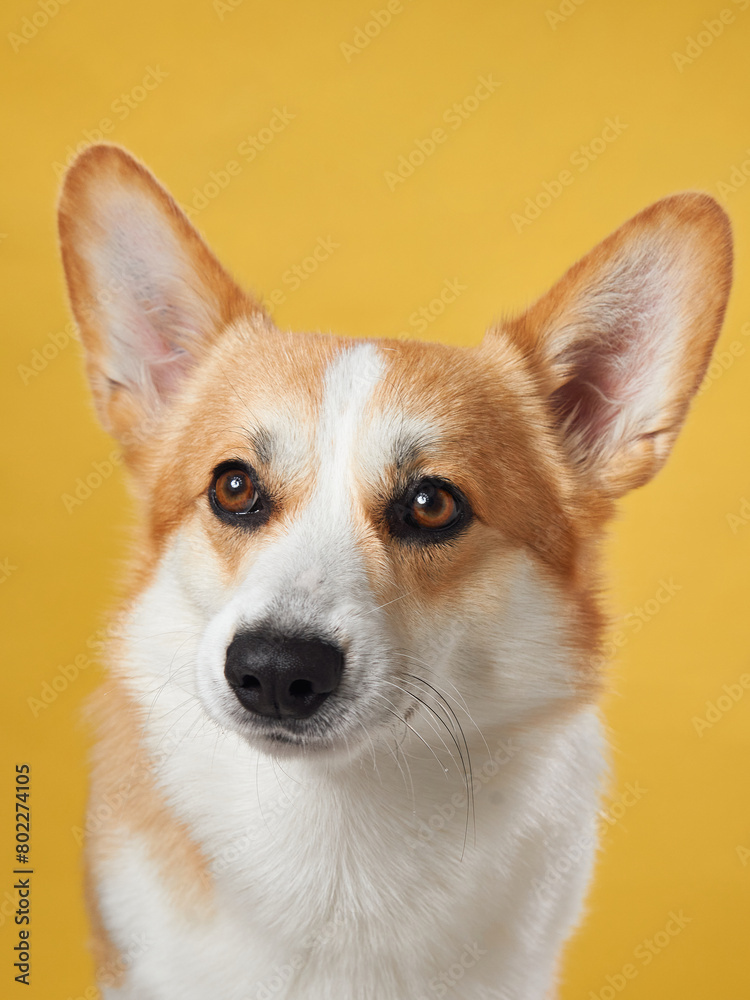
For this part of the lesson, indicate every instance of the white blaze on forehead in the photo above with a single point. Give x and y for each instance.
(352, 434)
(350, 381)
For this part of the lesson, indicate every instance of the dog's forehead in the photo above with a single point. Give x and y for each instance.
(387, 402)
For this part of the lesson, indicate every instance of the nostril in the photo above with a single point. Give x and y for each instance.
(282, 677)
(301, 689)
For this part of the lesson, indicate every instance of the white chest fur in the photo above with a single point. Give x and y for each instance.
(377, 879)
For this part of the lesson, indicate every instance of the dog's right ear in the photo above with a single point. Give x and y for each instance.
(147, 293)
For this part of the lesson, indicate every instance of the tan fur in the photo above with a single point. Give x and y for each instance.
(107, 959)
(123, 774)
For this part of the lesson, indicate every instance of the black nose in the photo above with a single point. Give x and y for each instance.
(282, 677)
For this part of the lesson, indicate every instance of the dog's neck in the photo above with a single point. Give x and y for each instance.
(323, 859)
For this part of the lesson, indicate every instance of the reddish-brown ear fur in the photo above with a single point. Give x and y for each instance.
(143, 285)
(621, 343)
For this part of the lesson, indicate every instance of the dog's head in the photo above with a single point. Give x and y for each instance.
(359, 529)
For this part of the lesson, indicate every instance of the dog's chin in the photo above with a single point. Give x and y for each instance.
(330, 745)
(321, 739)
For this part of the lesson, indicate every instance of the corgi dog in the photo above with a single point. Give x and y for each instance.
(349, 746)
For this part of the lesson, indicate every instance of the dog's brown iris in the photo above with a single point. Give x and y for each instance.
(235, 492)
(433, 507)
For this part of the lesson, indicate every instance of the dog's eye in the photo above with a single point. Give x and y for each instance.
(433, 507)
(234, 492)
(433, 510)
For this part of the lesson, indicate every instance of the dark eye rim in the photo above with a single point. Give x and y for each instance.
(249, 519)
(404, 527)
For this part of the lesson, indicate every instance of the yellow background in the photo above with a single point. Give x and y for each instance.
(680, 846)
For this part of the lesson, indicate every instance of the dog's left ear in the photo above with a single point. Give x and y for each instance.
(621, 343)
(148, 295)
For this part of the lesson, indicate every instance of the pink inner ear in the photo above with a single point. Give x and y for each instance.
(154, 313)
(168, 371)
(146, 356)
(617, 368)
(586, 405)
